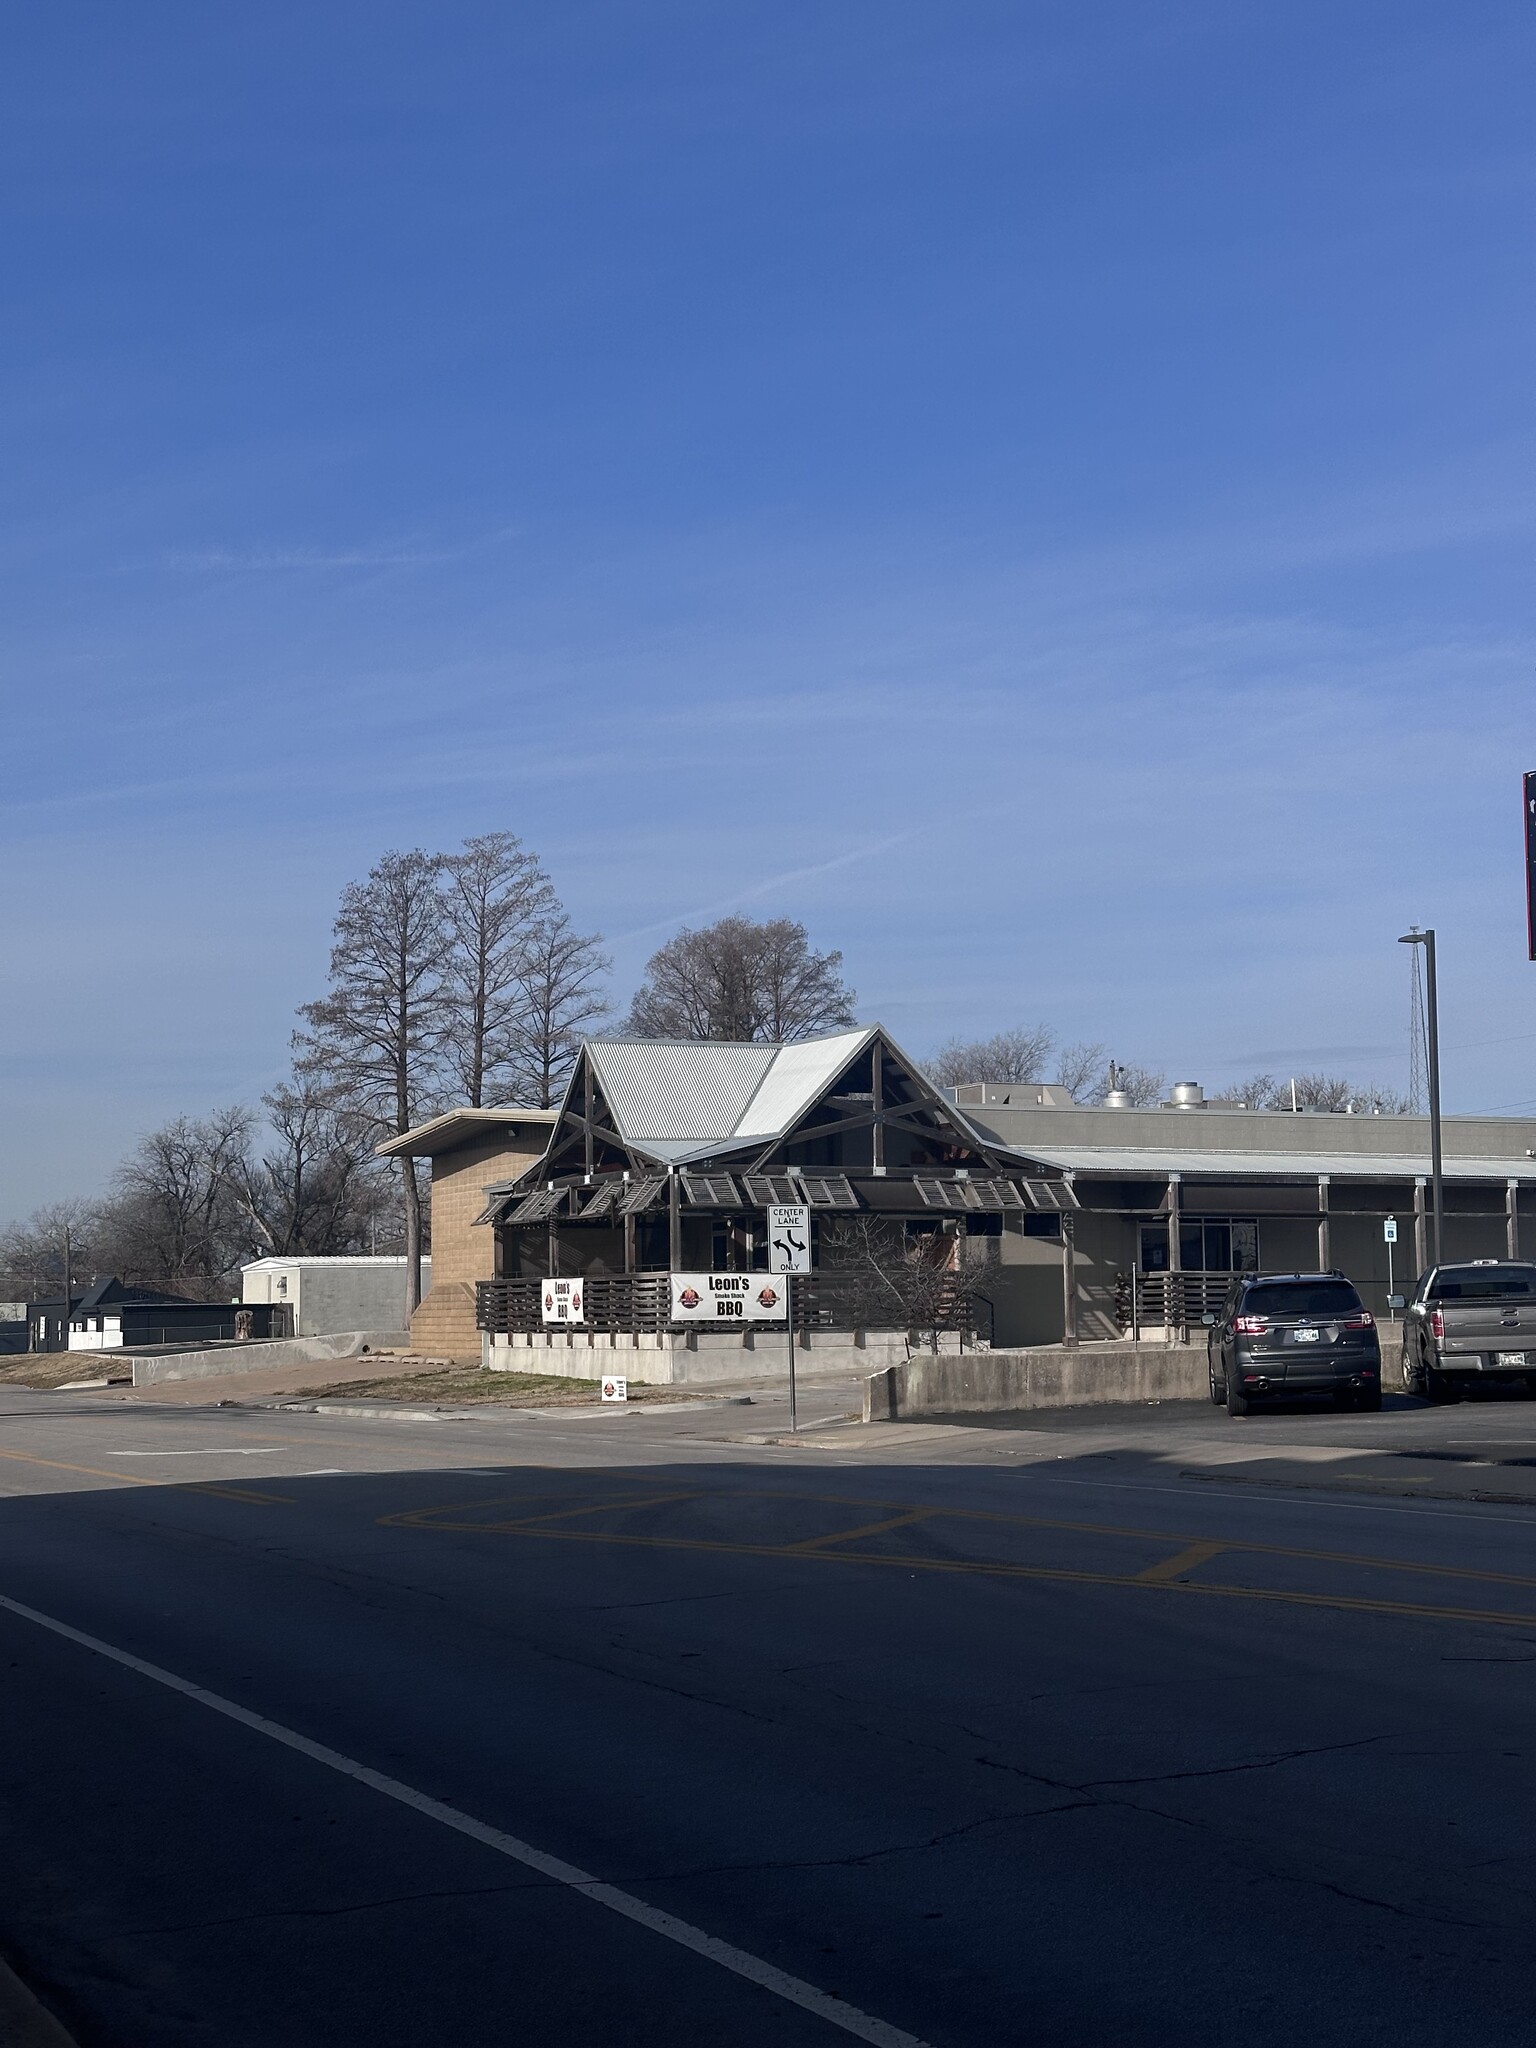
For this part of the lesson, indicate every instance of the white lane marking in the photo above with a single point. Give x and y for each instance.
(224, 1451)
(793, 1990)
(325, 1472)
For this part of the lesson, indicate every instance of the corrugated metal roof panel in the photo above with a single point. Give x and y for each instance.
(675, 1092)
(798, 1074)
(1265, 1165)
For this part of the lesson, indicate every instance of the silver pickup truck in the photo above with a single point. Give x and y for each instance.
(1469, 1323)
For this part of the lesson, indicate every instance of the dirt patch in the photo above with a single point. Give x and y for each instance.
(462, 1386)
(55, 1368)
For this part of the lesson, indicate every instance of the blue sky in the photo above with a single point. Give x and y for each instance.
(1040, 492)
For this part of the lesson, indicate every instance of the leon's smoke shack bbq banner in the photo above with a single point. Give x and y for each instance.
(562, 1302)
(727, 1298)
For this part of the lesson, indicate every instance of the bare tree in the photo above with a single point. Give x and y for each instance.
(1080, 1069)
(1017, 1054)
(174, 1220)
(738, 979)
(1143, 1085)
(313, 1189)
(560, 998)
(375, 1039)
(497, 899)
(1332, 1092)
(32, 1253)
(1257, 1092)
(886, 1279)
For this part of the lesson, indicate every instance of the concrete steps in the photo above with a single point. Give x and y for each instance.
(444, 1325)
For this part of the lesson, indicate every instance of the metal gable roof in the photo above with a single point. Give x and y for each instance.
(798, 1074)
(677, 1092)
(680, 1099)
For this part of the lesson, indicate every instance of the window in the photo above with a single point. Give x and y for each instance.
(1227, 1244)
(1301, 1298)
(1474, 1283)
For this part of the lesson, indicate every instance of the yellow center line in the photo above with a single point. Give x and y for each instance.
(913, 1563)
(869, 1529)
(534, 1523)
(1170, 1568)
(133, 1479)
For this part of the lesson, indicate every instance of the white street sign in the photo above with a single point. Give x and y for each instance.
(563, 1302)
(733, 1298)
(1389, 1230)
(615, 1387)
(789, 1237)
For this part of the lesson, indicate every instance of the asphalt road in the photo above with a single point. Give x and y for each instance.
(1125, 1728)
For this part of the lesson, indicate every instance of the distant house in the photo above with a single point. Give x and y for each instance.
(111, 1315)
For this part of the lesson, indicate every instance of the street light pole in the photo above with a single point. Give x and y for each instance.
(1426, 939)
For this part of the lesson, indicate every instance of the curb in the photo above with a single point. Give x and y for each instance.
(24, 2021)
(489, 1412)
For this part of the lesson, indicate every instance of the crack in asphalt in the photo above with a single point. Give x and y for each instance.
(1269, 1763)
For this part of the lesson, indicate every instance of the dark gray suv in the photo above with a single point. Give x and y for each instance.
(1293, 1333)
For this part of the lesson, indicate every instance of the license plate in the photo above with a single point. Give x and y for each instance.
(1305, 1336)
(1510, 1357)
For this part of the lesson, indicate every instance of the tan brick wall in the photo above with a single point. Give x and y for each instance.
(461, 1250)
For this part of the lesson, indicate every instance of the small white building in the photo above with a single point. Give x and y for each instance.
(330, 1295)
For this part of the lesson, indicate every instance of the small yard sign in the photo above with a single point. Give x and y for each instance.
(615, 1387)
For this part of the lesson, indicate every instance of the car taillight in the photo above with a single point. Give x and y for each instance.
(1250, 1326)
(1364, 1321)
(1437, 1324)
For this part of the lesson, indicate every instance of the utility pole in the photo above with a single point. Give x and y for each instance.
(69, 1288)
(1414, 937)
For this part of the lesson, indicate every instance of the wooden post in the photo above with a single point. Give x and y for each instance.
(1175, 1261)
(1420, 1229)
(1512, 1219)
(877, 1129)
(674, 1222)
(1068, 1280)
(1324, 1232)
(554, 1249)
(629, 1244)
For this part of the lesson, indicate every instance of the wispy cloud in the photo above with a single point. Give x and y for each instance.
(261, 561)
(780, 880)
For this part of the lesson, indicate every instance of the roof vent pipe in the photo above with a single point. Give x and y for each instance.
(1188, 1095)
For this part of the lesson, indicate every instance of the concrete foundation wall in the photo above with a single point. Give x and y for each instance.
(990, 1382)
(669, 1359)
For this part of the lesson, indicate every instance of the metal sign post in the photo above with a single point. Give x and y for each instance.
(1389, 1233)
(1528, 793)
(789, 1252)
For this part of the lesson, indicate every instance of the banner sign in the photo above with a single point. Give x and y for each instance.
(727, 1298)
(1530, 861)
(563, 1302)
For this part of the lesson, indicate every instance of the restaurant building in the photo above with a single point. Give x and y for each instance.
(1001, 1214)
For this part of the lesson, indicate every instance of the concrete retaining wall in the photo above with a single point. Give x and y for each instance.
(1049, 1376)
(259, 1356)
(672, 1358)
